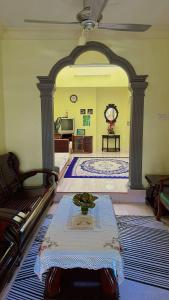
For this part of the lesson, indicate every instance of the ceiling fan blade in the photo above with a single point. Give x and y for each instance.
(124, 27)
(96, 8)
(48, 22)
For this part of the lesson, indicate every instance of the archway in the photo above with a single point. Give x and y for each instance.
(138, 85)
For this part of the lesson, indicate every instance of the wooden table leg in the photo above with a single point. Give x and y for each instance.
(109, 284)
(52, 284)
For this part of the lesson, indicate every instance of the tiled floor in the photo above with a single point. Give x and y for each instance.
(133, 209)
(108, 185)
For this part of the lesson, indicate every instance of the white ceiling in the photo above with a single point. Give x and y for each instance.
(154, 12)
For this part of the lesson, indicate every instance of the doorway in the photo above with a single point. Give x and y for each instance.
(93, 87)
(138, 85)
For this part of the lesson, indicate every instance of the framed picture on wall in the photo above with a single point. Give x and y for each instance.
(80, 131)
(86, 120)
(82, 111)
(90, 111)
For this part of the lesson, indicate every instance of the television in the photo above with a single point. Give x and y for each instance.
(67, 126)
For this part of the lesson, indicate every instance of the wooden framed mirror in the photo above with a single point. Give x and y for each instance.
(111, 113)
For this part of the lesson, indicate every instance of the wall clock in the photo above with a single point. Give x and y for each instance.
(73, 98)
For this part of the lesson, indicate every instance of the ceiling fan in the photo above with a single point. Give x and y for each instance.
(91, 15)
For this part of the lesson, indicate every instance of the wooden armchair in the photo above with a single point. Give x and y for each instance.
(163, 198)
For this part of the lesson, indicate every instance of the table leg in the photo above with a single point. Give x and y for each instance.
(109, 284)
(52, 284)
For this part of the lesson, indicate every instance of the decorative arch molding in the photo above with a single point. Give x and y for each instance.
(138, 86)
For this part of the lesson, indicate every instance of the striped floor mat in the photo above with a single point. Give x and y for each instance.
(145, 244)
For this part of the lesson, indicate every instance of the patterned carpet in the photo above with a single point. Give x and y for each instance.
(145, 245)
(98, 167)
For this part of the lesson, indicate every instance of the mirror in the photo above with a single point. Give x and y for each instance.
(111, 113)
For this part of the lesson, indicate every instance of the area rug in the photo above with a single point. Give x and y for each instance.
(145, 244)
(98, 167)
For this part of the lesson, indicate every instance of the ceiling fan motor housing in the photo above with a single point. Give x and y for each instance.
(85, 14)
(88, 25)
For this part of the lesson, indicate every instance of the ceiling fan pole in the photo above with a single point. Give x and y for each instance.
(86, 3)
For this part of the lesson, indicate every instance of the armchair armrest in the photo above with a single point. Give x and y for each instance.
(34, 172)
(11, 217)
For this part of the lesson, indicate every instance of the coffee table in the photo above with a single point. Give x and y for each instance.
(68, 246)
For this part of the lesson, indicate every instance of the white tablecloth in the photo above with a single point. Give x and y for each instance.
(71, 248)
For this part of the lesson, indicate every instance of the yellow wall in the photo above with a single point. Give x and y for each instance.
(97, 99)
(2, 125)
(23, 60)
(86, 100)
(119, 97)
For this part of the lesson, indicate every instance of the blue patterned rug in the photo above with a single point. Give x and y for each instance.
(145, 244)
(98, 167)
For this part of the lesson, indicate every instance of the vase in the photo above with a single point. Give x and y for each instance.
(84, 210)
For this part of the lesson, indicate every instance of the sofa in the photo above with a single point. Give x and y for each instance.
(162, 198)
(21, 209)
(9, 250)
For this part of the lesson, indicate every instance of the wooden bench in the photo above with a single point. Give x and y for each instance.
(21, 208)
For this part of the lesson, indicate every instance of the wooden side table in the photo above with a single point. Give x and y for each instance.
(108, 137)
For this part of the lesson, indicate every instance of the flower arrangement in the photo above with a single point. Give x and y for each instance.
(85, 201)
(110, 128)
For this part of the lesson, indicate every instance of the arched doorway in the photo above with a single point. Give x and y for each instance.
(138, 85)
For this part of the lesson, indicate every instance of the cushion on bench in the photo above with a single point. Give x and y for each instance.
(164, 199)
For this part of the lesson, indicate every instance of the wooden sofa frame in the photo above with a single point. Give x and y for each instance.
(21, 210)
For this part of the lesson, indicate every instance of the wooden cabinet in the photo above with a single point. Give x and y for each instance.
(88, 144)
(63, 136)
(57, 136)
(82, 144)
